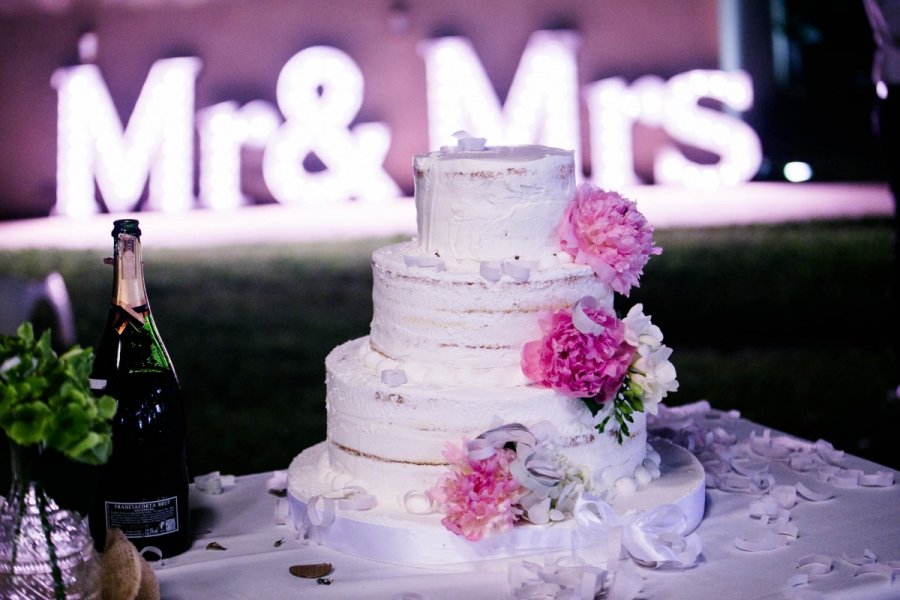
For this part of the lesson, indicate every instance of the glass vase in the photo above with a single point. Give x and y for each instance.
(45, 551)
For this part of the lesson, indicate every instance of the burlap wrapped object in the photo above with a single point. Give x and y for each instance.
(126, 576)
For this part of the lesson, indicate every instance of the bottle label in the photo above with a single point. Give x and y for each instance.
(143, 519)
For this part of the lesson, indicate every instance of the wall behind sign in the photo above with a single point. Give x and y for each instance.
(244, 44)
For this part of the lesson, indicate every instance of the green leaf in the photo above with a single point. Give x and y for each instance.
(47, 399)
(626, 402)
(637, 404)
(29, 422)
(25, 332)
(85, 445)
(592, 405)
(106, 407)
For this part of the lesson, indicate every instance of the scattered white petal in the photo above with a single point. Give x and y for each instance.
(812, 495)
(277, 482)
(491, 270)
(518, 270)
(424, 261)
(393, 377)
(759, 543)
(877, 479)
(847, 478)
(816, 565)
(867, 557)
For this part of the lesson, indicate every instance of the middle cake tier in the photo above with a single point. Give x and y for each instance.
(390, 439)
(466, 322)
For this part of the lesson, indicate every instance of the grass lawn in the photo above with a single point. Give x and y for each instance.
(787, 324)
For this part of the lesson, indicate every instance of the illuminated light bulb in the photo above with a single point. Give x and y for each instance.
(732, 140)
(156, 144)
(319, 92)
(614, 108)
(223, 130)
(542, 104)
(797, 172)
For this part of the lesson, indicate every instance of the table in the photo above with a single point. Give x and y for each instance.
(847, 546)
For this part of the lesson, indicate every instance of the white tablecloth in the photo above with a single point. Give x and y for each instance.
(857, 522)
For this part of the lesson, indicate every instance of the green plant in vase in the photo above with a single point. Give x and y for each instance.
(53, 422)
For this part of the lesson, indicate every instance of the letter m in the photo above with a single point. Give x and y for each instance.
(541, 106)
(157, 143)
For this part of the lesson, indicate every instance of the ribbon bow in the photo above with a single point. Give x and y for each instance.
(653, 538)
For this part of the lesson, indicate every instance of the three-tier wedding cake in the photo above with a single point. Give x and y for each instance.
(497, 384)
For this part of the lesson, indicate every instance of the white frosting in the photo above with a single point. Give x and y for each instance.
(492, 204)
(452, 312)
(455, 325)
(390, 440)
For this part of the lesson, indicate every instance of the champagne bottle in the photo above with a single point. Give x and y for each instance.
(143, 488)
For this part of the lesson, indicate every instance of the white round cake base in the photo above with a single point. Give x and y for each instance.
(421, 540)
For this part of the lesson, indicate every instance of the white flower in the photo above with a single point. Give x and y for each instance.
(568, 494)
(654, 374)
(536, 510)
(639, 331)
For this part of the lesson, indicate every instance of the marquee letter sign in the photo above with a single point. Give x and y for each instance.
(542, 104)
(224, 129)
(614, 107)
(158, 141)
(319, 93)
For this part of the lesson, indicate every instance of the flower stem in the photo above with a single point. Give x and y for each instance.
(59, 588)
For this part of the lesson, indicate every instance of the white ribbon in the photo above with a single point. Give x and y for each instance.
(480, 449)
(581, 321)
(348, 498)
(418, 503)
(653, 538)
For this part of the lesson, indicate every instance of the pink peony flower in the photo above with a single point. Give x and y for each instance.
(577, 364)
(607, 232)
(477, 496)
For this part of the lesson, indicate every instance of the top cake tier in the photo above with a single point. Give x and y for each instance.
(493, 203)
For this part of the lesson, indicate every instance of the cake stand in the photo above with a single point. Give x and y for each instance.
(421, 540)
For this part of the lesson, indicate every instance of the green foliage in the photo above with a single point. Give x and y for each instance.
(46, 399)
(626, 402)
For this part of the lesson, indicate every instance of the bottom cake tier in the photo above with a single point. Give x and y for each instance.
(331, 517)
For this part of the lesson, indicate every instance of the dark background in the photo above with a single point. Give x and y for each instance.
(809, 59)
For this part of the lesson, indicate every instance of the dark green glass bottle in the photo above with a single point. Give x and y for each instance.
(144, 488)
